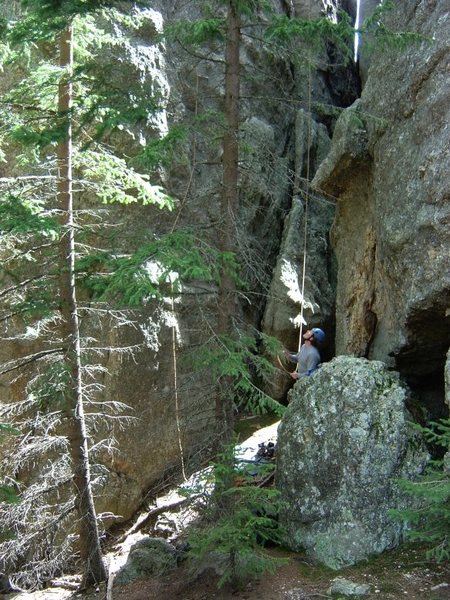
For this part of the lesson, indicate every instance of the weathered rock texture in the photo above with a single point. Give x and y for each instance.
(388, 167)
(274, 148)
(173, 410)
(311, 214)
(366, 9)
(342, 443)
(149, 556)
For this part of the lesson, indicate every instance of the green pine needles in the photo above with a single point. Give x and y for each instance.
(378, 36)
(21, 215)
(239, 520)
(430, 521)
(155, 271)
(240, 360)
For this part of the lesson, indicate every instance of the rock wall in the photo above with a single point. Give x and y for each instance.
(169, 408)
(274, 149)
(310, 216)
(388, 169)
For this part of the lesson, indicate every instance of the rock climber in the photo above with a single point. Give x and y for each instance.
(308, 358)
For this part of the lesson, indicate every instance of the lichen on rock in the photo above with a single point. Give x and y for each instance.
(342, 445)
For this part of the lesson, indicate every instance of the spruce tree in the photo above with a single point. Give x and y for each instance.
(229, 206)
(429, 520)
(54, 114)
(89, 540)
(235, 525)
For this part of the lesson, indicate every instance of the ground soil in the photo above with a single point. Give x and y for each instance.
(403, 573)
(395, 575)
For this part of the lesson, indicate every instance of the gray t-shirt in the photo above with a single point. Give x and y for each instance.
(308, 360)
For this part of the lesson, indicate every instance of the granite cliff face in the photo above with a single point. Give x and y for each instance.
(384, 283)
(276, 122)
(171, 404)
(388, 169)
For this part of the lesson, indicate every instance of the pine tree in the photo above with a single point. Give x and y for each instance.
(429, 521)
(55, 113)
(89, 540)
(237, 523)
(229, 207)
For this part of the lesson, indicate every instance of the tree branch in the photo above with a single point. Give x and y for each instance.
(21, 284)
(13, 365)
(142, 522)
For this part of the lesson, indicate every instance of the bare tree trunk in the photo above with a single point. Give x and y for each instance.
(229, 204)
(89, 541)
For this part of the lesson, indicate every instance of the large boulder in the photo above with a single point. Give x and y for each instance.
(342, 444)
(150, 556)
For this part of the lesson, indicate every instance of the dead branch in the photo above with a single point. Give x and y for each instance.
(154, 512)
(22, 362)
(22, 284)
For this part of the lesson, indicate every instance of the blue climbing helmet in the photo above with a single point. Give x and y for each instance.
(318, 334)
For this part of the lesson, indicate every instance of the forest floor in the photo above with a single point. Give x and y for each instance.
(395, 575)
(402, 573)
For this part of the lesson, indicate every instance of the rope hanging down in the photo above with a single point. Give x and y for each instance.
(175, 387)
(306, 216)
(174, 334)
(306, 213)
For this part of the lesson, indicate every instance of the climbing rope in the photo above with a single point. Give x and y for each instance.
(306, 215)
(283, 367)
(175, 387)
(174, 334)
(306, 212)
(194, 160)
